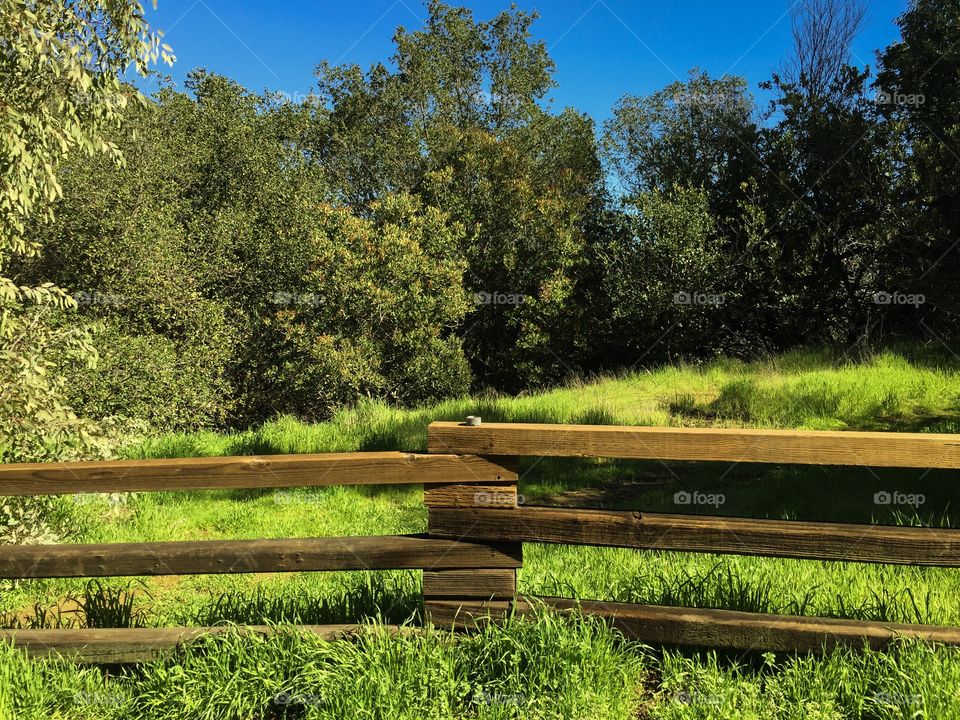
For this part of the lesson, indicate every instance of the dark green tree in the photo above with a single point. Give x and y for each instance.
(918, 94)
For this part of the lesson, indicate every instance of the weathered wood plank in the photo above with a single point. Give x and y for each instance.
(471, 495)
(660, 625)
(262, 471)
(484, 584)
(122, 645)
(656, 625)
(243, 556)
(693, 533)
(876, 449)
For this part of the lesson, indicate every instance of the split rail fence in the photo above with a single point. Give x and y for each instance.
(473, 547)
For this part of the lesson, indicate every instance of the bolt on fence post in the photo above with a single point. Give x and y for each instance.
(473, 420)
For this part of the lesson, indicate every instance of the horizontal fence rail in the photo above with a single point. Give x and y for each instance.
(871, 449)
(704, 627)
(245, 472)
(121, 646)
(387, 552)
(700, 533)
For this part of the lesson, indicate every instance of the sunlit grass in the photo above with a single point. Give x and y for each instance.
(804, 389)
(546, 668)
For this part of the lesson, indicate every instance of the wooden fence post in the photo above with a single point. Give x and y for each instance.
(442, 589)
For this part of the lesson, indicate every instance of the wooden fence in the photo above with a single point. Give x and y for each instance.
(473, 546)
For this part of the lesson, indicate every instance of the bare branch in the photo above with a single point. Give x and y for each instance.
(823, 32)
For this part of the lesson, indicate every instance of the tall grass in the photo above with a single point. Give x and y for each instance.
(540, 668)
(908, 390)
(546, 667)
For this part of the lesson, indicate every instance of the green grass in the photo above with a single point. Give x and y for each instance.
(537, 668)
(808, 390)
(912, 390)
(540, 669)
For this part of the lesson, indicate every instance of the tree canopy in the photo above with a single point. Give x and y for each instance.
(433, 224)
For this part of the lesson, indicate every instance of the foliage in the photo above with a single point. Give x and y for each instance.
(665, 277)
(149, 378)
(461, 121)
(919, 86)
(525, 250)
(432, 224)
(61, 93)
(699, 133)
(828, 167)
(374, 315)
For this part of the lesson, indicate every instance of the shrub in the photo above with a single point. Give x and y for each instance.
(152, 378)
(373, 317)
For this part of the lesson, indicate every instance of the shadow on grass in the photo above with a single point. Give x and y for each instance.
(871, 404)
(893, 496)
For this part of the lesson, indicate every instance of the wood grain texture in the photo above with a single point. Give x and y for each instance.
(660, 625)
(243, 556)
(459, 495)
(484, 584)
(261, 471)
(693, 533)
(122, 646)
(876, 449)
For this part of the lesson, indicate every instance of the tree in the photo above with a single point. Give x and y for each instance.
(688, 156)
(383, 130)
(918, 89)
(700, 133)
(828, 169)
(374, 317)
(666, 280)
(461, 123)
(526, 249)
(61, 91)
(145, 264)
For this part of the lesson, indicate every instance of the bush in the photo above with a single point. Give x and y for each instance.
(152, 378)
(665, 279)
(36, 422)
(373, 318)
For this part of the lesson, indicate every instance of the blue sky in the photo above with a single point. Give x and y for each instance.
(602, 48)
